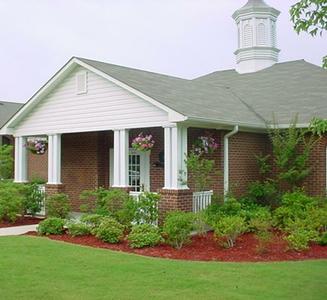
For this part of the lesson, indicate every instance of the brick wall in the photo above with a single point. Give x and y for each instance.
(80, 164)
(315, 184)
(37, 166)
(242, 163)
(174, 200)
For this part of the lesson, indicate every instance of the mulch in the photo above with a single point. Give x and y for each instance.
(21, 221)
(207, 249)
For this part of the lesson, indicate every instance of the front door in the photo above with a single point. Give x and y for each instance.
(139, 170)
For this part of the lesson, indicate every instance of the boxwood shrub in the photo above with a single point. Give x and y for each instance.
(77, 229)
(177, 228)
(144, 235)
(51, 226)
(110, 231)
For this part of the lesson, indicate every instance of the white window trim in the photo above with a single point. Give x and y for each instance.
(144, 167)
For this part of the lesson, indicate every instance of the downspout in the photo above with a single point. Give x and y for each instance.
(226, 160)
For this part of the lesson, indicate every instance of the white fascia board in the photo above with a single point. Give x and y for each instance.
(37, 96)
(173, 115)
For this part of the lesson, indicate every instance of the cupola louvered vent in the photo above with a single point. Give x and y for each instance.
(248, 36)
(273, 34)
(261, 34)
(81, 83)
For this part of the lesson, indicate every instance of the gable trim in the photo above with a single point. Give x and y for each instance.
(173, 115)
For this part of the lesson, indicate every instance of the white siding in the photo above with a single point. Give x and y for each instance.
(105, 106)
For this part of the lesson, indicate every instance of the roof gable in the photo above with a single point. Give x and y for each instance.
(105, 106)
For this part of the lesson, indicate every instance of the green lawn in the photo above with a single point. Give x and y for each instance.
(38, 268)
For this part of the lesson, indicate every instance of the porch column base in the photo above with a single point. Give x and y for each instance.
(172, 200)
(52, 189)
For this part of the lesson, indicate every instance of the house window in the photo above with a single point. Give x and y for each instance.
(81, 83)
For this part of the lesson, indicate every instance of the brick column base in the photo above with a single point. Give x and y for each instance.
(174, 200)
(51, 189)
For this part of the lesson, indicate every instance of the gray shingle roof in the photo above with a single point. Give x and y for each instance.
(283, 90)
(7, 110)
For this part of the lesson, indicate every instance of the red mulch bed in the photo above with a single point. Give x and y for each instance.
(206, 249)
(20, 222)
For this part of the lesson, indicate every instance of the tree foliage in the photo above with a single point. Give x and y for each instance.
(6, 161)
(310, 16)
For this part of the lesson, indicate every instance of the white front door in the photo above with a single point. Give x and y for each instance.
(139, 170)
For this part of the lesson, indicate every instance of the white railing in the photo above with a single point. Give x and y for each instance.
(136, 197)
(42, 190)
(201, 200)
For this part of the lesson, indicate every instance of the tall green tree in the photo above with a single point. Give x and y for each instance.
(6, 161)
(310, 16)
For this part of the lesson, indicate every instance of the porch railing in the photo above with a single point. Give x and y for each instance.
(41, 188)
(201, 200)
(136, 197)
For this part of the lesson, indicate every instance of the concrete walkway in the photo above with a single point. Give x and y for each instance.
(17, 230)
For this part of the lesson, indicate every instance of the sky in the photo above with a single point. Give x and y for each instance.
(184, 38)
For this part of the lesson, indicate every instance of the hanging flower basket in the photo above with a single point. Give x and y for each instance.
(205, 145)
(37, 146)
(143, 143)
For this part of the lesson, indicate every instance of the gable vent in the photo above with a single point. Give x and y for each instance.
(81, 83)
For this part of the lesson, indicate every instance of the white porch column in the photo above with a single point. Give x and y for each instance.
(175, 155)
(54, 159)
(20, 159)
(121, 163)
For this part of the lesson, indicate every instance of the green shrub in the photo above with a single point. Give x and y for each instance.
(51, 226)
(147, 208)
(216, 211)
(77, 229)
(262, 228)
(200, 224)
(110, 231)
(11, 200)
(264, 193)
(58, 205)
(295, 205)
(107, 202)
(323, 239)
(177, 227)
(34, 198)
(6, 161)
(299, 239)
(228, 228)
(144, 235)
(126, 215)
(92, 220)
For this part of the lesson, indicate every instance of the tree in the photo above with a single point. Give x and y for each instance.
(6, 161)
(310, 16)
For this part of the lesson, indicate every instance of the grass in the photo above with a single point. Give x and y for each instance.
(38, 268)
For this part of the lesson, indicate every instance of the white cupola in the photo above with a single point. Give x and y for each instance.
(256, 23)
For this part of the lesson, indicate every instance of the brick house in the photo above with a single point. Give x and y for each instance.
(90, 110)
